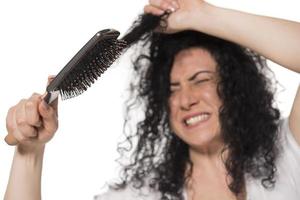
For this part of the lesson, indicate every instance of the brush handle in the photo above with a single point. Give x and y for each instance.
(51, 96)
(48, 98)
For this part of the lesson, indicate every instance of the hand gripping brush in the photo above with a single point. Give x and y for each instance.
(84, 68)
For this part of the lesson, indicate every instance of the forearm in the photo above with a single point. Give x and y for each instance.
(25, 176)
(275, 39)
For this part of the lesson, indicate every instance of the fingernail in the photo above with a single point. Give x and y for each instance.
(51, 77)
(171, 8)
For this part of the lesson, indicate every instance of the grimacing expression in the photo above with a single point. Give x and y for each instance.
(194, 102)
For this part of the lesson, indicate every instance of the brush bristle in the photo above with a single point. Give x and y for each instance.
(91, 67)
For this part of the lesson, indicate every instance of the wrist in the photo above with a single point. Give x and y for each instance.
(204, 18)
(30, 150)
(26, 171)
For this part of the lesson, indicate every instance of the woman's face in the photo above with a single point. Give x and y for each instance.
(194, 102)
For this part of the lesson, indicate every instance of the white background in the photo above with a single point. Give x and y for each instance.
(38, 37)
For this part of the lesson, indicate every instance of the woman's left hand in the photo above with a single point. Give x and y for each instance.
(185, 14)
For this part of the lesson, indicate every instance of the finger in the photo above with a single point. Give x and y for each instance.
(165, 4)
(50, 79)
(54, 104)
(9, 120)
(49, 117)
(153, 10)
(25, 133)
(23, 128)
(10, 138)
(31, 110)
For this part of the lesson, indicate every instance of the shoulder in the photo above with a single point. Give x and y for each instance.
(287, 169)
(288, 162)
(288, 143)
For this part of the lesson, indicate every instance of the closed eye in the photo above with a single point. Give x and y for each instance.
(201, 81)
(173, 90)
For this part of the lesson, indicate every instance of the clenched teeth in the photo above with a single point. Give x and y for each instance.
(196, 119)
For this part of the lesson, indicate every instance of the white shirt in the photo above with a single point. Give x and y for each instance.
(287, 185)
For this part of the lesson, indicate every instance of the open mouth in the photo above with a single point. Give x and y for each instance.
(196, 119)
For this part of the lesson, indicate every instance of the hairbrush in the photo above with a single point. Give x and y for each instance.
(96, 56)
(84, 68)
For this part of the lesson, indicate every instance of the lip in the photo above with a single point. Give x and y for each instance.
(193, 115)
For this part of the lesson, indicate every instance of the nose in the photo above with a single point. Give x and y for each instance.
(187, 99)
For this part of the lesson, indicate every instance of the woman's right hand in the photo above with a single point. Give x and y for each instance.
(32, 122)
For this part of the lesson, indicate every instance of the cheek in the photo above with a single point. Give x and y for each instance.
(173, 108)
(173, 105)
(212, 97)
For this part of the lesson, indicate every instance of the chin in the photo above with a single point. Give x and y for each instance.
(202, 140)
(199, 139)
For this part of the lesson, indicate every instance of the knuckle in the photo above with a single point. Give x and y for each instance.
(164, 4)
(9, 126)
(35, 94)
(156, 2)
(29, 105)
(9, 121)
(22, 101)
(147, 9)
(11, 110)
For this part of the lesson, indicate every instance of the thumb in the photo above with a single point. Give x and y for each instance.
(54, 104)
(49, 117)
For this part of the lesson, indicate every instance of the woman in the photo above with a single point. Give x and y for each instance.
(211, 130)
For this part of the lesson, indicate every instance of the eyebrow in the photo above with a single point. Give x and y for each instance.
(193, 77)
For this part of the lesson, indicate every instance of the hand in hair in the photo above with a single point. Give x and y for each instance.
(184, 13)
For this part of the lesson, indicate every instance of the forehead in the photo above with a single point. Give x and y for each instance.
(192, 60)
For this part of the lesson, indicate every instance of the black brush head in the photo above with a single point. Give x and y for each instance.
(88, 64)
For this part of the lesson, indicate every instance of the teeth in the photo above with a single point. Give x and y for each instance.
(196, 119)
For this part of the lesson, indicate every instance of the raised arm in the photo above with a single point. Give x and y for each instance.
(273, 38)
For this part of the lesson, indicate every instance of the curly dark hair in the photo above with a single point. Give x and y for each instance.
(248, 116)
